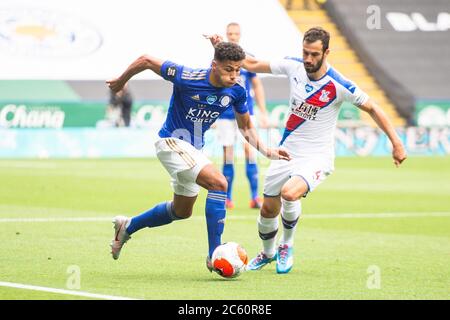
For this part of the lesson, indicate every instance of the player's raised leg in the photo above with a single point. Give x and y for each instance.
(183, 162)
(267, 229)
(216, 184)
(291, 192)
(161, 214)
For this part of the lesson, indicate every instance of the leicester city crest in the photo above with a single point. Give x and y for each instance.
(225, 101)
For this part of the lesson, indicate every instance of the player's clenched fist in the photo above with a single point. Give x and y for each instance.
(115, 84)
(214, 38)
(278, 154)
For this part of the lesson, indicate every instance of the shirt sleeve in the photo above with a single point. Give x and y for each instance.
(171, 71)
(284, 66)
(240, 104)
(355, 95)
(251, 75)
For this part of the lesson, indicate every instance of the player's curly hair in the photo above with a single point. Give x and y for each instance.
(318, 33)
(228, 51)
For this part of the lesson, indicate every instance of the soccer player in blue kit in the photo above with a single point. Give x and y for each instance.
(227, 130)
(199, 97)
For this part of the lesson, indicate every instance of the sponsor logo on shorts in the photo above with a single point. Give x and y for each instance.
(317, 175)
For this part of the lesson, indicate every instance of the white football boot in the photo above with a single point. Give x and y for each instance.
(120, 235)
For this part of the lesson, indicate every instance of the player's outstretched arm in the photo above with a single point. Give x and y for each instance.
(250, 63)
(140, 64)
(254, 65)
(381, 119)
(248, 130)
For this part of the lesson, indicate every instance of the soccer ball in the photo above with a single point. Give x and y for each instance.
(229, 259)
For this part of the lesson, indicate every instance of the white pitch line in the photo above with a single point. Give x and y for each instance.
(230, 216)
(80, 219)
(377, 215)
(63, 291)
(356, 215)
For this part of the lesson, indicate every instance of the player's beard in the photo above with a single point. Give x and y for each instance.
(313, 68)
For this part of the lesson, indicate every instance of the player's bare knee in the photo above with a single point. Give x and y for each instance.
(290, 195)
(268, 212)
(219, 183)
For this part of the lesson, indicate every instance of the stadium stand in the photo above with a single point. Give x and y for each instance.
(40, 62)
(55, 60)
(307, 14)
(33, 90)
(406, 50)
(384, 62)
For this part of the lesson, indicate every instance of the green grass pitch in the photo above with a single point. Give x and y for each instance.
(337, 256)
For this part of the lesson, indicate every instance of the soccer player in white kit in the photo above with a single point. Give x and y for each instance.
(317, 91)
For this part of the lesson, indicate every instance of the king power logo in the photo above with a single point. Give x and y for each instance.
(202, 116)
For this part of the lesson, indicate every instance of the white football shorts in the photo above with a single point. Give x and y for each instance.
(313, 170)
(228, 132)
(183, 162)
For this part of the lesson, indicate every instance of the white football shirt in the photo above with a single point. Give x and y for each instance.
(314, 108)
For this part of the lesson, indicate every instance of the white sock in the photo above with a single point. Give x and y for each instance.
(268, 228)
(290, 213)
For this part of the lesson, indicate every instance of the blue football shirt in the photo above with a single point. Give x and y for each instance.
(196, 104)
(246, 77)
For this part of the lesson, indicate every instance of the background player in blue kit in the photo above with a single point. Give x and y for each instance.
(199, 97)
(227, 130)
